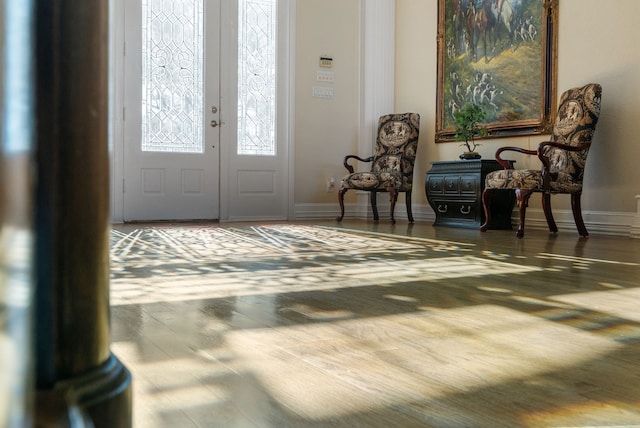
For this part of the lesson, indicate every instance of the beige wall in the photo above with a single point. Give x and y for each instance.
(325, 129)
(598, 41)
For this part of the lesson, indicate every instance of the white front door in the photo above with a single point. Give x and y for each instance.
(171, 114)
(257, 52)
(184, 71)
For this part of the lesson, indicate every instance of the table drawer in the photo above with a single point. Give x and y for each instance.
(457, 210)
(435, 184)
(469, 185)
(451, 185)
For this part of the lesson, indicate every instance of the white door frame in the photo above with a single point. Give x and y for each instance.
(285, 119)
(116, 109)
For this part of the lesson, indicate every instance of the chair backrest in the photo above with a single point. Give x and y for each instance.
(575, 123)
(396, 146)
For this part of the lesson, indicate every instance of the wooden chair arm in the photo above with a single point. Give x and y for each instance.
(350, 167)
(505, 162)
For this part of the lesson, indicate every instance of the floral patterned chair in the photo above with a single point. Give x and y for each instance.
(563, 160)
(392, 164)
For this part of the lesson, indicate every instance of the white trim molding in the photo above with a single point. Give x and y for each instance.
(597, 222)
(116, 109)
(378, 68)
(377, 73)
(291, 112)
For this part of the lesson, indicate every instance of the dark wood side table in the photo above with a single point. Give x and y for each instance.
(454, 191)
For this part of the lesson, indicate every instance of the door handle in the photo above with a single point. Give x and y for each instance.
(214, 123)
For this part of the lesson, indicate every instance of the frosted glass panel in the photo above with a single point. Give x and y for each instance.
(172, 68)
(257, 77)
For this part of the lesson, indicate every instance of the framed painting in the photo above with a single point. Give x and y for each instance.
(500, 55)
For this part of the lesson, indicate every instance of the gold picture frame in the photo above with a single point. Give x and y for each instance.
(501, 55)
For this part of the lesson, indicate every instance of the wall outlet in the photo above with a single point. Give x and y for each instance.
(331, 184)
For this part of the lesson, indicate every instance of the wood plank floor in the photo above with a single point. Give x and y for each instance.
(364, 325)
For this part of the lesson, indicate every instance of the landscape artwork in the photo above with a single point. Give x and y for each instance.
(499, 55)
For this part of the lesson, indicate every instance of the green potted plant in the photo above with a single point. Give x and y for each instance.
(467, 126)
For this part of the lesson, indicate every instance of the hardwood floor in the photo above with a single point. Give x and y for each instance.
(364, 325)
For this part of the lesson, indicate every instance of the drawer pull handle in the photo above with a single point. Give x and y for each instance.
(467, 211)
(442, 210)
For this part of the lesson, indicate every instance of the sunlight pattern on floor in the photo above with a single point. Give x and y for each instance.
(161, 264)
(322, 326)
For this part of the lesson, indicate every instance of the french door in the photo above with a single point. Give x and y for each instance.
(256, 92)
(171, 114)
(203, 135)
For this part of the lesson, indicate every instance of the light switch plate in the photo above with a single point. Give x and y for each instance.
(325, 76)
(322, 92)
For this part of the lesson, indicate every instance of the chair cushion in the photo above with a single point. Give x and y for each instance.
(372, 180)
(527, 179)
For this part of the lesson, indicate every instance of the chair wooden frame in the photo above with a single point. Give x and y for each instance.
(523, 195)
(392, 164)
(393, 194)
(563, 160)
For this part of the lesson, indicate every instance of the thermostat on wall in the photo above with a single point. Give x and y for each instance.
(326, 61)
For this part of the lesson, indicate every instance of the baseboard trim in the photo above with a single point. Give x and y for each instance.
(635, 227)
(597, 222)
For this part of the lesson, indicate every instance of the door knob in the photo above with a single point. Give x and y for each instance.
(214, 123)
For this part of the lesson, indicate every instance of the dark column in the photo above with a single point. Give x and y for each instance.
(75, 370)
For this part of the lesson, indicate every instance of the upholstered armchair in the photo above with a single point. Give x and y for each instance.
(563, 160)
(391, 165)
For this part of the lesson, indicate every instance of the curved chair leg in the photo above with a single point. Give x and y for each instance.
(393, 198)
(546, 206)
(522, 197)
(374, 206)
(407, 197)
(341, 193)
(486, 200)
(577, 214)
